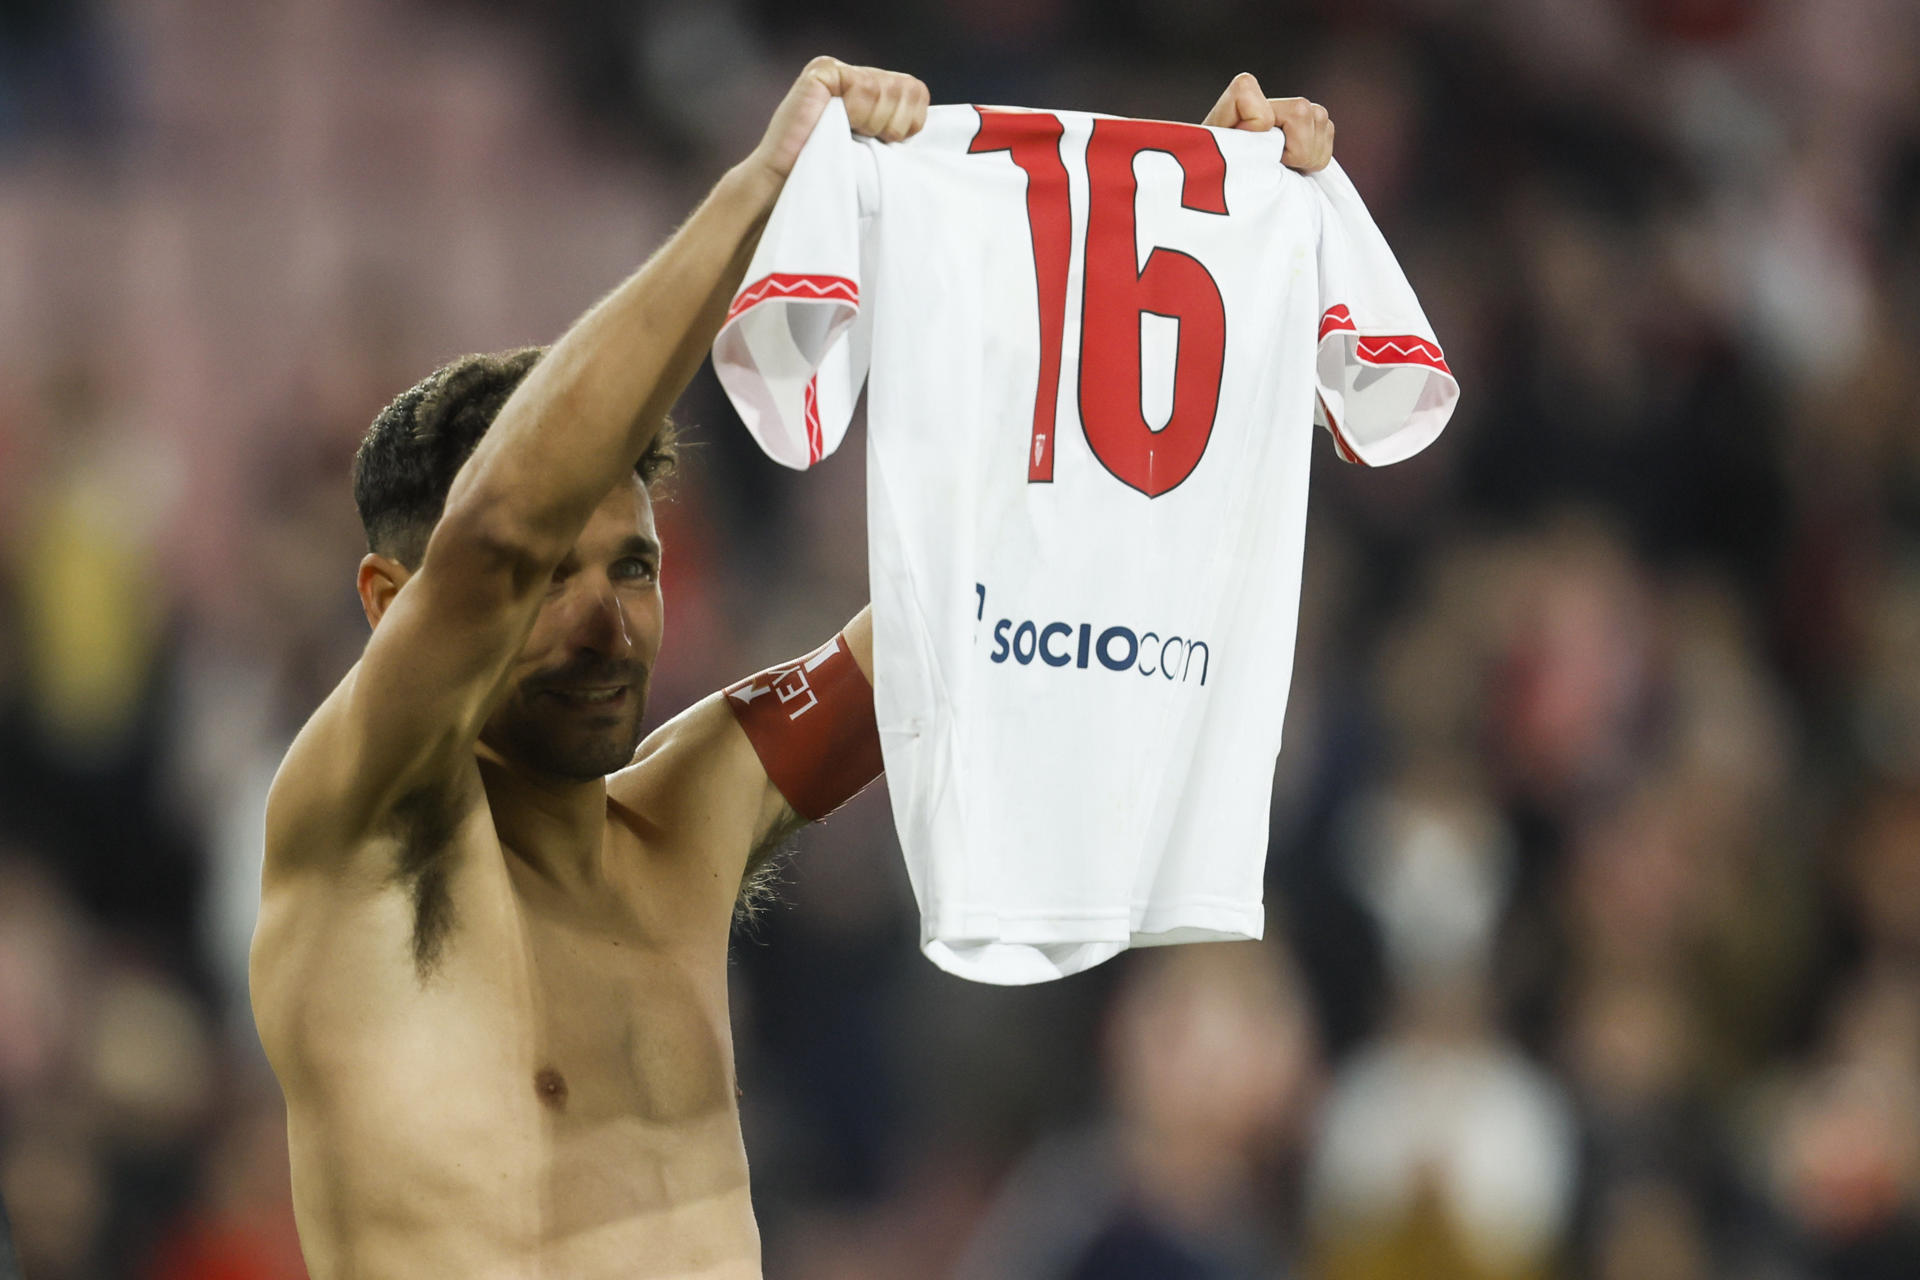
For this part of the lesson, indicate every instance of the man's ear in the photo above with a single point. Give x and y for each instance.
(381, 578)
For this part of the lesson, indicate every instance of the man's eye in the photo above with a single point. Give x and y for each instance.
(635, 568)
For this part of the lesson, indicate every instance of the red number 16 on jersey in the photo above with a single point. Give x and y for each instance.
(1116, 293)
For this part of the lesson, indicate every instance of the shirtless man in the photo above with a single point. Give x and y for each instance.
(490, 968)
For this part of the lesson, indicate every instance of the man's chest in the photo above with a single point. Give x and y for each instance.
(620, 1022)
(567, 1008)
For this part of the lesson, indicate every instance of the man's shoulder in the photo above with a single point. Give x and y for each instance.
(695, 752)
(316, 815)
(296, 799)
(695, 779)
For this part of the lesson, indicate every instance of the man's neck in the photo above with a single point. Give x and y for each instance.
(557, 826)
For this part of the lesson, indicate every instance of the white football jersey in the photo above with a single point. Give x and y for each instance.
(1093, 351)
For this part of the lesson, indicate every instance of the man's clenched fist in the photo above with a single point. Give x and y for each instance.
(882, 104)
(1309, 131)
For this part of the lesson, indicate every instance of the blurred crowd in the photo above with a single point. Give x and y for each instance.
(1594, 885)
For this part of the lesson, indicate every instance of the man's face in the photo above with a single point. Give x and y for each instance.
(578, 690)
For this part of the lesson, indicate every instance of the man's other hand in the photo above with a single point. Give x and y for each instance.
(880, 104)
(1309, 131)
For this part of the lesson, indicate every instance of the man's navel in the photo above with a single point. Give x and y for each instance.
(551, 1088)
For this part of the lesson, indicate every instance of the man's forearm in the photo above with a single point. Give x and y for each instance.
(590, 408)
(586, 413)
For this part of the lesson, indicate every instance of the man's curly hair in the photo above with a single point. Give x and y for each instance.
(415, 446)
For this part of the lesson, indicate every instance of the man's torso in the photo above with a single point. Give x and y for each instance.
(490, 1073)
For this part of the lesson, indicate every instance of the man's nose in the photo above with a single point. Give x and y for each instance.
(605, 627)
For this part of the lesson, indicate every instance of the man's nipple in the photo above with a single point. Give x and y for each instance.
(551, 1088)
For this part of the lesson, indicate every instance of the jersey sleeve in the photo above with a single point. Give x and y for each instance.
(792, 353)
(1385, 390)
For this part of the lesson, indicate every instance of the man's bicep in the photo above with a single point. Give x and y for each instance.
(751, 765)
(859, 640)
(697, 781)
(326, 803)
(406, 718)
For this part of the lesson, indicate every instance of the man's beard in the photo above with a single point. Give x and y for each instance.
(560, 743)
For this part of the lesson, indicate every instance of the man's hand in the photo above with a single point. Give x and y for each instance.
(1309, 132)
(880, 104)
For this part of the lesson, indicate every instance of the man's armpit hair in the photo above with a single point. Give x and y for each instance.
(760, 886)
(425, 822)
(766, 865)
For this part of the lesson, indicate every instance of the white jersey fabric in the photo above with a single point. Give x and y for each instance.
(1093, 352)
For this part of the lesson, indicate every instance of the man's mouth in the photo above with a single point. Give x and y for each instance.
(596, 696)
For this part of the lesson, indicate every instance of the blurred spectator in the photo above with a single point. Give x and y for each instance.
(1210, 1062)
(1845, 1155)
(1443, 1152)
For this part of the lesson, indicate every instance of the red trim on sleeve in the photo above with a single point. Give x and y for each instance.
(807, 288)
(1340, 445)
(811, 401)
(1402, 348)
(1335, 319)
(1392, 348)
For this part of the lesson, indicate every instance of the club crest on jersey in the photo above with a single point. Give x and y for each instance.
(1084, 647)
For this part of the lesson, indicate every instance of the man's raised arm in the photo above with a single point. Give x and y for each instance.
(587, 411)
(405, 721)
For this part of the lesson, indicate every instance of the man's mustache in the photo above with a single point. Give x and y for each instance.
(587, 672)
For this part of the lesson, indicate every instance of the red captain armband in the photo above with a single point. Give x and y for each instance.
(811, 722)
